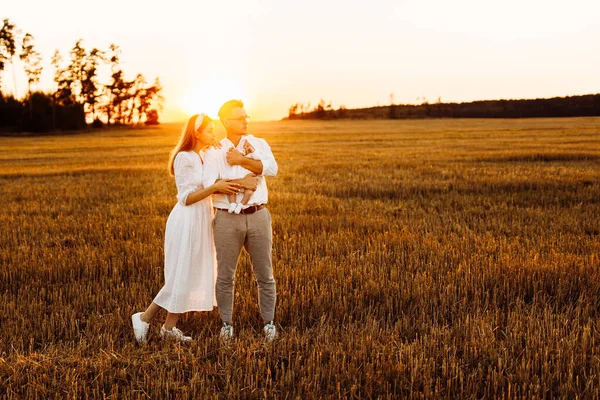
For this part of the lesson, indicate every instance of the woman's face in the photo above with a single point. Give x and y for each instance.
(207, 135)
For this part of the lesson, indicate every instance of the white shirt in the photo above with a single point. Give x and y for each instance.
(217, 167)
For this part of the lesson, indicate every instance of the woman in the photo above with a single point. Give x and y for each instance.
(190, 261)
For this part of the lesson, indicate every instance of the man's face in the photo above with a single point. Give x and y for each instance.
(237, 123)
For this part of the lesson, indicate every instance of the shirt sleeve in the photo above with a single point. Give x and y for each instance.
(183, 168)
(257, 154)
(265, 155)
(211, 168)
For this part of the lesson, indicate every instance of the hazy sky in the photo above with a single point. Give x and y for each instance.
(276, 53)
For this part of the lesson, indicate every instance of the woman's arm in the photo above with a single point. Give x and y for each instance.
(221, 186)
(249, 182)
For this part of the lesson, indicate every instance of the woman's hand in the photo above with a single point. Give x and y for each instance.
(249, 182)
(227, 187)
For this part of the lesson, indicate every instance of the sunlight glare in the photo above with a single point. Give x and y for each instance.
(207, 95)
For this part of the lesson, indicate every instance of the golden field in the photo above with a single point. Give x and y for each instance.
(414, 259)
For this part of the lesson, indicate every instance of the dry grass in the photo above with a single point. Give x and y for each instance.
(417, 259)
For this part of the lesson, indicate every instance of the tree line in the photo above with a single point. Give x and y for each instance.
(78, 98)
(571, 106)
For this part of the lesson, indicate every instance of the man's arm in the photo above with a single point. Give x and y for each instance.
(266, 166)
(255, 166)
(270, 167)
(234, 157)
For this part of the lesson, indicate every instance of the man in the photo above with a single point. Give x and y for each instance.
(252, 227)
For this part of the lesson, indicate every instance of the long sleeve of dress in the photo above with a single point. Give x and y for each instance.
(184, 177)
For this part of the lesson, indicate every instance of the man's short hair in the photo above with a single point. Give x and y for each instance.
(225, 110)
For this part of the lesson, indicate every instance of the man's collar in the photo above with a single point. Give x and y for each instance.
(225, 142)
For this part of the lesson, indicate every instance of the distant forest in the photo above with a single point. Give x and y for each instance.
(78, 99)
(573, 106)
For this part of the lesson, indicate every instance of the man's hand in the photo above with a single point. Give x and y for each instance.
(249, 182)
(234, 157)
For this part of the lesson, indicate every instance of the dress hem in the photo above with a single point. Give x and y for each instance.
(187, 310)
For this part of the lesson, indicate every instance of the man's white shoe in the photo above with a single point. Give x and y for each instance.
(226, 331)
(140, 328)
(174, 333)
(270, 331)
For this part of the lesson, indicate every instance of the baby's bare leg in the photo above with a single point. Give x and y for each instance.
(247, 195)
(232, 202)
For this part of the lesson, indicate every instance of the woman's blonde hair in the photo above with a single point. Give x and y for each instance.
(187, 141)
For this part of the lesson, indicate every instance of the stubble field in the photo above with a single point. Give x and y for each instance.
(413, 259)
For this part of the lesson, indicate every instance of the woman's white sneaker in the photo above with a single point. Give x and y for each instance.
(140, 328)
(174, 333)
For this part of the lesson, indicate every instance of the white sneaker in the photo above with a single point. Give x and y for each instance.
(140, 328)
(232, 207)
(239, 207)
(174, 333)
(270, 331)
(226, 331)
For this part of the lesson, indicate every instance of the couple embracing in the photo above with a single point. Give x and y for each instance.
(202, 245)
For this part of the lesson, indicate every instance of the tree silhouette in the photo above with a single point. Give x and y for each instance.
(90, 90)
(33, 69)
(32, 60)
(152, 117)
(56, 60)
(8, 46)
(76, 68)
(113, 88)
(392, 113)
(78, 95)
(154, 94)
(571, 106)
(64, 81)
(143, 99)
(293, 111)
(320, 109)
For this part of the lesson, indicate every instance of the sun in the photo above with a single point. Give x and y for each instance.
(207, 95)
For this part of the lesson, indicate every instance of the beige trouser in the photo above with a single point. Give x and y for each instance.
(254, 233)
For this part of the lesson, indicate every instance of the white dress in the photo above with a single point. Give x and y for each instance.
(190, 257)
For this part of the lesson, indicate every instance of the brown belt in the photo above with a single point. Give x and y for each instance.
(249, 210)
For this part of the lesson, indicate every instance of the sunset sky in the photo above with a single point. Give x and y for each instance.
(272, 54)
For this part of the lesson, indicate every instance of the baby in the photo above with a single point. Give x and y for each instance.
(237, 172)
